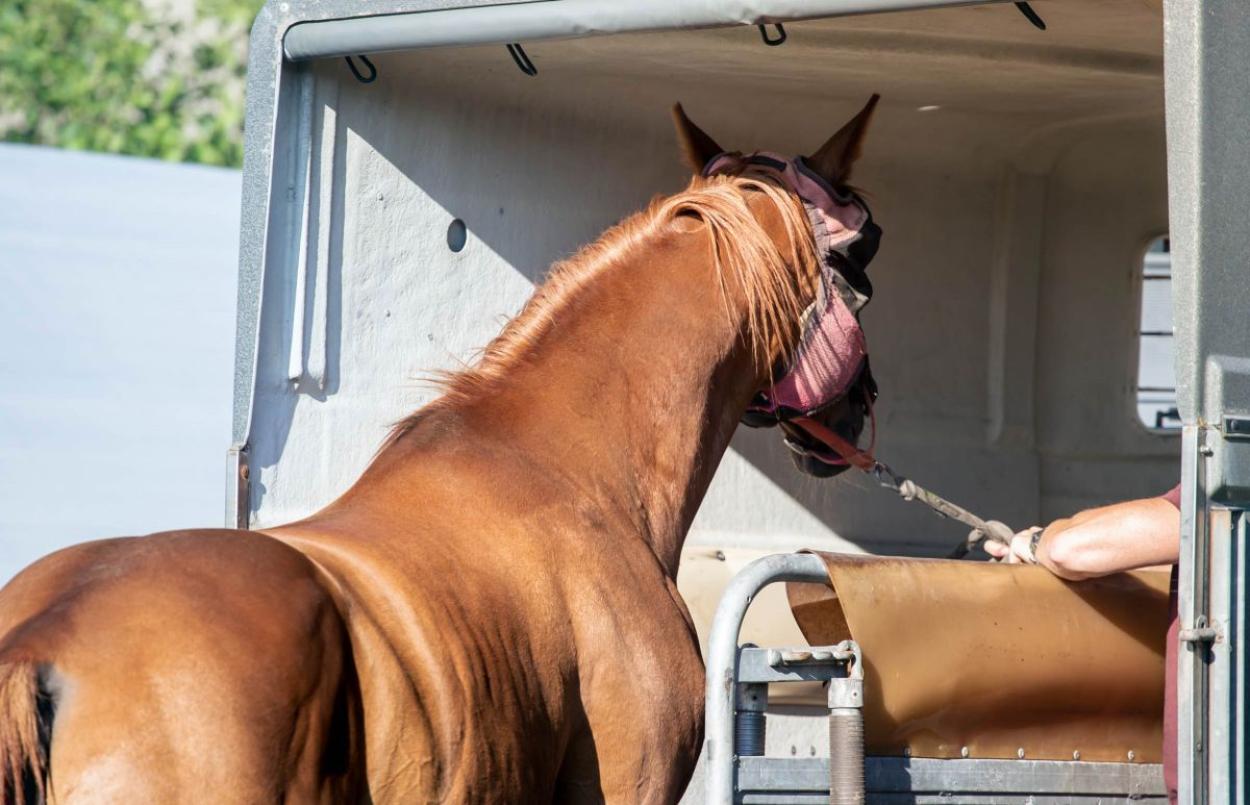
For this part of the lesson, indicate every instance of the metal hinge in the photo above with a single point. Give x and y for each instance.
(238, 488)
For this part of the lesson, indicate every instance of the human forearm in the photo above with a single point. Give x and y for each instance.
(1111, 539)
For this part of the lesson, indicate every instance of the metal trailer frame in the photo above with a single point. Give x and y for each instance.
(1206, 53)
(737, 771)
(1207, 68)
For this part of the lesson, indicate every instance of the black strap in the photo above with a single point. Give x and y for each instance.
(522, 59)
(781, 34)
(1031, 16)
(373, 71)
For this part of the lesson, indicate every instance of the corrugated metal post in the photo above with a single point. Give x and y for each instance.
(846, 732)
(1191, 675)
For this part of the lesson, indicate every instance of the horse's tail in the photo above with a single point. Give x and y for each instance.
(25, 734)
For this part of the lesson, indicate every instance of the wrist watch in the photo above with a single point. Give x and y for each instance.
(1034, 541)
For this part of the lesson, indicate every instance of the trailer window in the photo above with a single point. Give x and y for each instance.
(1156, 369)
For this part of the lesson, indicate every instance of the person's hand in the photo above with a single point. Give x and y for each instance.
(1018, 552)
(996, 549)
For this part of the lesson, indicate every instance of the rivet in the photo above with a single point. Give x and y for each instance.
(1132, 755)
(964, 752)
(813, 751)
(1207, 450)
(1076, 754)
(720, 556)
(794, 750)
(1020, 753)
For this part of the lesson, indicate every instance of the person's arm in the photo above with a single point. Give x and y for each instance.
(1108, 539)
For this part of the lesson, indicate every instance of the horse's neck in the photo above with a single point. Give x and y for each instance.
(633, 392)
(637, 391)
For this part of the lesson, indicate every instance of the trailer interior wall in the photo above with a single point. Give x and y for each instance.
(1018, 174)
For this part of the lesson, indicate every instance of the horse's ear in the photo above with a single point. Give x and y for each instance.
(696, 147)
(837, 156)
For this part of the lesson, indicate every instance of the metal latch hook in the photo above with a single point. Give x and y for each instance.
(1032, 16)
(522, 59)
(781, 34)
(373, 71)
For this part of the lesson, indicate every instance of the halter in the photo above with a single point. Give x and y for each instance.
(831, 359)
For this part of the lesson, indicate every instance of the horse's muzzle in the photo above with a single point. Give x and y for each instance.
(812, 456)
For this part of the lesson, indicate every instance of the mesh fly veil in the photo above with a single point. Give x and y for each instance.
(831, 358)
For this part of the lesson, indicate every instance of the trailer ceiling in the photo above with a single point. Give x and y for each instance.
(1098, 59)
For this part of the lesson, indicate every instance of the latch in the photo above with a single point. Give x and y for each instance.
(780, 658)
(1200, 633)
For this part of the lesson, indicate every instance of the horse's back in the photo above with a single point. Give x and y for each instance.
(184, 666)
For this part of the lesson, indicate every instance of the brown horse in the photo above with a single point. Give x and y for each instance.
(489, 614)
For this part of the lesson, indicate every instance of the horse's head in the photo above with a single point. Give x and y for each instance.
(815, 382)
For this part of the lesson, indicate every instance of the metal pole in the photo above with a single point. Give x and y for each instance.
(503, 23)
(722, 659)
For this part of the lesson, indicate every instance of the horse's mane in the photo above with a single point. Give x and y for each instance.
(741, 252)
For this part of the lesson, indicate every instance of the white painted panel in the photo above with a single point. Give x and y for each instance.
(1105, 198)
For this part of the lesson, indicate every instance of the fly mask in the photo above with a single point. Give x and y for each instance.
(830, 362)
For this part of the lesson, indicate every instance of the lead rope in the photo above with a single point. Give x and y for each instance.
(910, 490)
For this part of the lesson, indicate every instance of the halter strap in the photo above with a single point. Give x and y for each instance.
(859, 459)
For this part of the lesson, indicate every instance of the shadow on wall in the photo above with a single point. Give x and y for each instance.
(531, 194)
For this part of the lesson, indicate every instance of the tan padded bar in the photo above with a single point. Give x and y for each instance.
(997, 658)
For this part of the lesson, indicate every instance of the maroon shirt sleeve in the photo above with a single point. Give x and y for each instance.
(1169, 673)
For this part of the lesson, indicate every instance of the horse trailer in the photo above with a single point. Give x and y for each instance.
(413, 166)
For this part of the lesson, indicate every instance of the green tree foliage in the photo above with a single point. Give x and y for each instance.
(155, 78)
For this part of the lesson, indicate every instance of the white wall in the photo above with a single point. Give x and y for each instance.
(1002, 331)
(116, 346)
(1106, 200)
